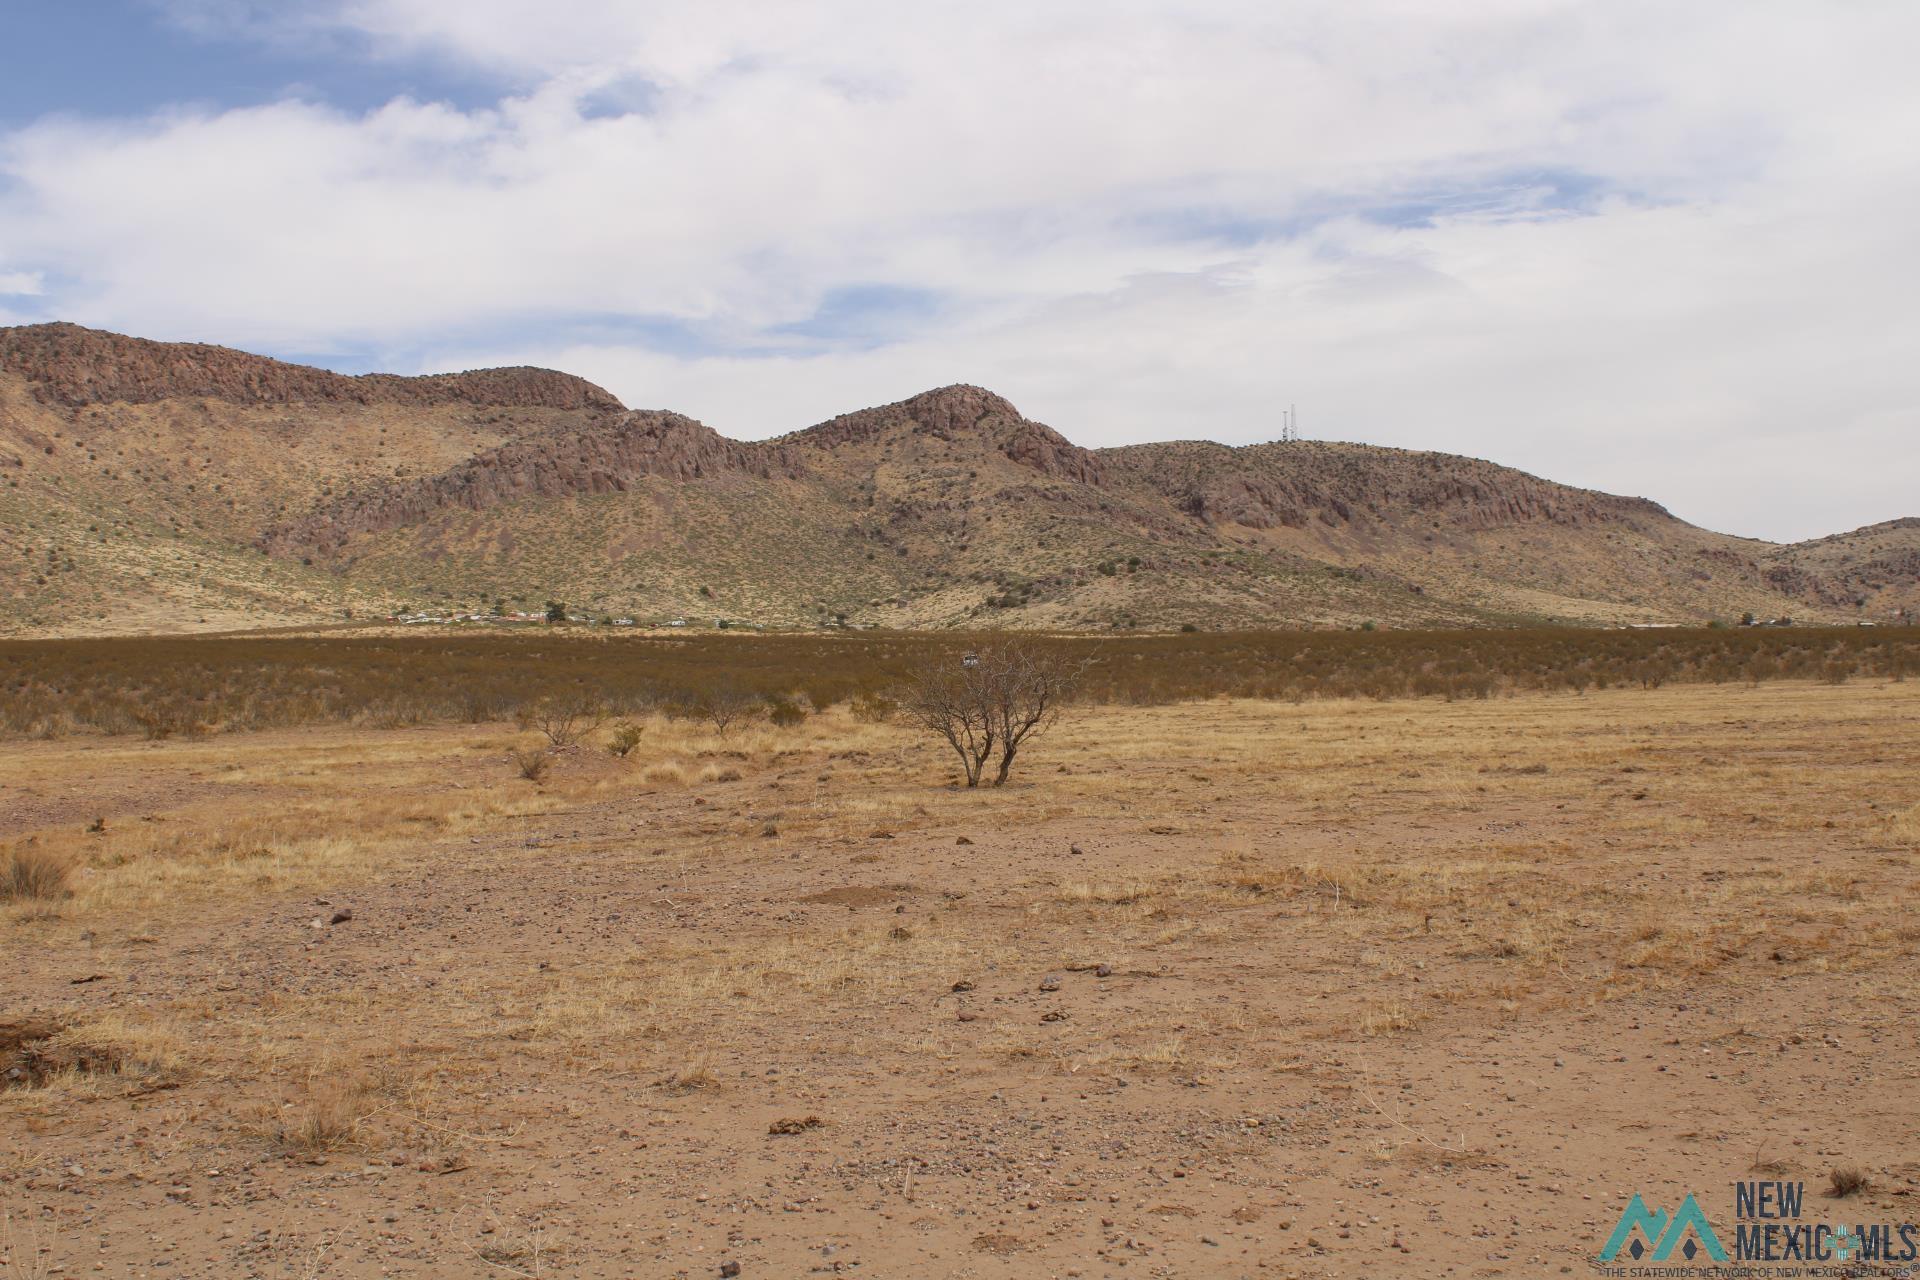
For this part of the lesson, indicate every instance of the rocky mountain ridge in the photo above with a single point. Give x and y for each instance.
(158, 485)
(72, 366)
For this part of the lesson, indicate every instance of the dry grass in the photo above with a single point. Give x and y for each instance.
(105, 1052)
(1272, 890)
(328, 1118)
(27, 1247)
(32, 873)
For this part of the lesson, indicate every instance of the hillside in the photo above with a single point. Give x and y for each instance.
(157, 486)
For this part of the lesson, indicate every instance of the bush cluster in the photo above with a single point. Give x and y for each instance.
(180, 686)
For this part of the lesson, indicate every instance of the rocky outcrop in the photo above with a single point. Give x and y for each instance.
(945, 412)
(1291, 485)
(608, 457)
(70, 365)
(962, 414)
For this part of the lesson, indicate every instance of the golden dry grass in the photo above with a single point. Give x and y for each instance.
(31, 872)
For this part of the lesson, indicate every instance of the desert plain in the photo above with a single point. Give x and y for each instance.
(1329, 987)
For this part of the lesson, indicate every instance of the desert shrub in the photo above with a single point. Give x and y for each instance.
(170, 686)
(395, 714)
(1847, 1181)
(565, 719)
(161, 720)
(872, 708)
(724, 705)
(785, 712)
(533, 765)
(29, 872)
(626, 736)
(327, 1119)
(482, 705)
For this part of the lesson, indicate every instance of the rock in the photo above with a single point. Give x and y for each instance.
(1103, 971)
(341, 916)
(963, 840)
(1050, 983)
(963, 985)
(1076, 850)
(728, 1269)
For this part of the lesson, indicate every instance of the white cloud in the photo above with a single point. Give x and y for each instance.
(22, 283)
(1140, 218)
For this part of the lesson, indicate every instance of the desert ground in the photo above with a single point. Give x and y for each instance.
(1217, 989)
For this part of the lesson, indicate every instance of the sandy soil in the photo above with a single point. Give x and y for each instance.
(1235, 989)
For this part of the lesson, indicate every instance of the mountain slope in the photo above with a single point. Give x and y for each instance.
(161, 486)
(1875, 570)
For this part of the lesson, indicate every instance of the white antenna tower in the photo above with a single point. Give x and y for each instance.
(1289, 426)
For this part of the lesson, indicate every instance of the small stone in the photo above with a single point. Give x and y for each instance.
(963, 840)
(729, 1269)
(1103, 971)
(1075, 849)
(963, 985)
(1050, 983)
(341, 916)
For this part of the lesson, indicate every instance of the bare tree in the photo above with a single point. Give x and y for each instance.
(723, 705)
(566, 719)
(948, 699)
(995, 700)
(1026, 686)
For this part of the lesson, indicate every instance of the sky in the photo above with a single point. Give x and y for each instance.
(1658, 249)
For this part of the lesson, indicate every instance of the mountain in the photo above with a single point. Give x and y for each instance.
(165, 486)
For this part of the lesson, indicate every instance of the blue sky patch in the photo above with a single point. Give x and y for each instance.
(102, 58)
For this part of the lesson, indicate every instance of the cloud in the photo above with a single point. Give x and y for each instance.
(1634, 245)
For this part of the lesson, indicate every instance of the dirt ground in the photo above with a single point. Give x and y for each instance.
(1216, 990)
